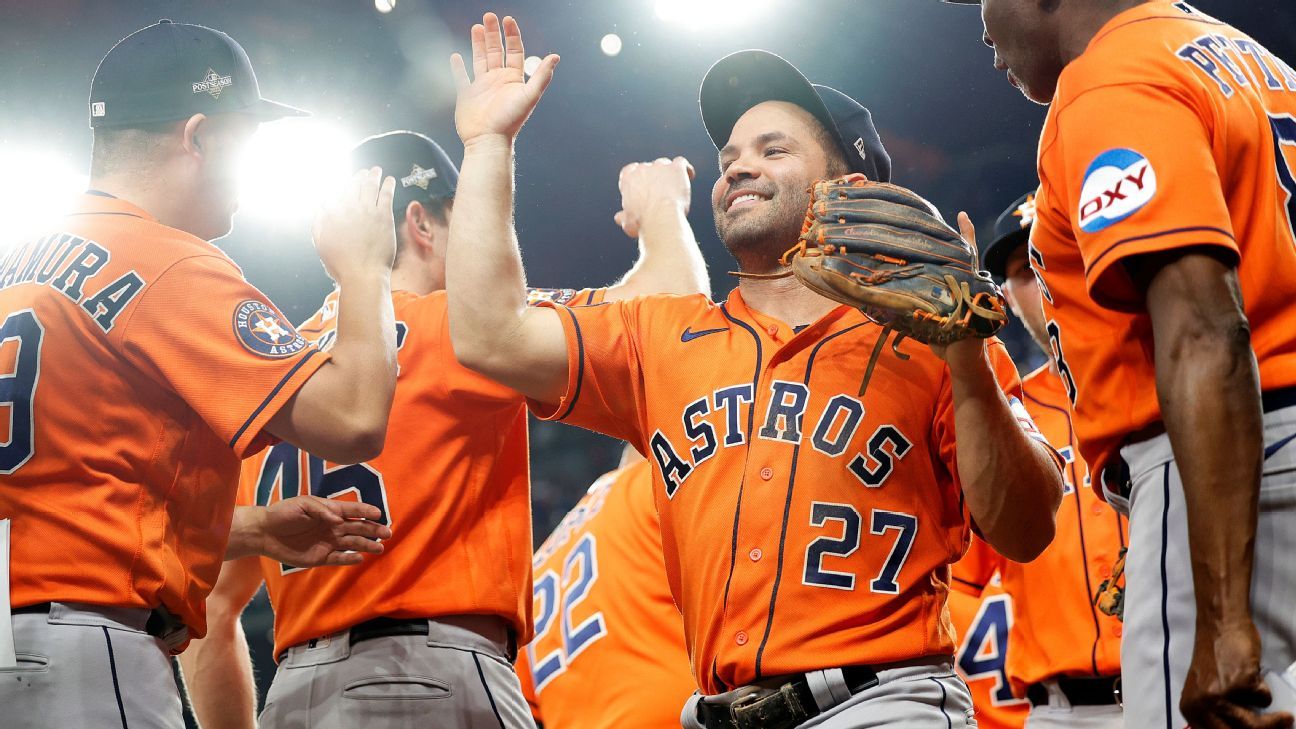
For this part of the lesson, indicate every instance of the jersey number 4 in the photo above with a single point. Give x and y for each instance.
(283, 466)
(984, 653)
(555, 598)
(20, 346)
(905, 527)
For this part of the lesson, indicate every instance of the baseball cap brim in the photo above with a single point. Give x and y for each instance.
(995, 257)
(267, 109)
(744, 79)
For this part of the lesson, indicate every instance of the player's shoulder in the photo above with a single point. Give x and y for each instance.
(1140, 46)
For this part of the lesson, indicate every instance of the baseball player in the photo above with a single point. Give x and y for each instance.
(604, 618)
(1065, 655)
(139, 366)
(1165, 249)
(982, 623)
(435, 626)
(807, 534)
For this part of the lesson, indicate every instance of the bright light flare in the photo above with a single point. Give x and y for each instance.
(530, 65)
(698, 14)
(36, 189)
(610, 44)
(291, 166)
(384, 6)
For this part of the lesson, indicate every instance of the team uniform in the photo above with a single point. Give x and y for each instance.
(127, 404)
(982, 622)
(1065, 653)
(609, 643)
(433, 624)
(803, 530)
(1172, 130)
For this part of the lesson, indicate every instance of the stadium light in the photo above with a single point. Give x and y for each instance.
(698, 14)
(610, 44)
(291, 165)
(36, 188)
(384, 6)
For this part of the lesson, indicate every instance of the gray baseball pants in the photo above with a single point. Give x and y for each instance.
(1058, 713)
(923, 695)
(1160, 608)
(459, 676)
(85, 666)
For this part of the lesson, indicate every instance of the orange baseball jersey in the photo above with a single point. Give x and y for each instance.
(982, 623)
(801, 524)
(1173, 130)
(126, 401)
(451, 482)
(1056, 629)
(609, 643)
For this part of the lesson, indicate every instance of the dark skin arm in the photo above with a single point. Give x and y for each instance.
(1208, 387)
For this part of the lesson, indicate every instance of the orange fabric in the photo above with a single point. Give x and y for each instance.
(1056, 630)
(145, 396)
(1165, 134)
(618, 630)
(982, 622)
(452, 482)
(800, 530)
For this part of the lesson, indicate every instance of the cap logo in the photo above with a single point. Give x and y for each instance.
(859, 147)
(213, 83)
(1026, 211)
(98, 109)
(418, 177)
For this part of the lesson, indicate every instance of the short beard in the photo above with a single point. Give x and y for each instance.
(758, 241)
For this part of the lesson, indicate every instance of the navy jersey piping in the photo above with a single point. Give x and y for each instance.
(266, 402)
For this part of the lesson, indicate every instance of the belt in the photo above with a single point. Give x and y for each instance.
(1101, 691)
(160, 624)
(387, 627)
(790, 704)
(1278, 399)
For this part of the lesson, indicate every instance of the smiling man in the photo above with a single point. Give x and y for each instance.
(1165, 246)
(807, 534)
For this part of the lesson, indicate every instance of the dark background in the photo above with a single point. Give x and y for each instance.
(957, 131)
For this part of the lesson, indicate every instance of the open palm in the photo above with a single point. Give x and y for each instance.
(498, 99)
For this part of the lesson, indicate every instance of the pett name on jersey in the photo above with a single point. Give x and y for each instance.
(1233, 63)
(67, 263)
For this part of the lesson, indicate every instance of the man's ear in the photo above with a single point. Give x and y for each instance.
(419, 224)
(195, 129)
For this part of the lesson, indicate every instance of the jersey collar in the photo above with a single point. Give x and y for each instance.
(94, 202)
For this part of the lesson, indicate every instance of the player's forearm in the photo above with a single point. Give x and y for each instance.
(218, 677)
(1012, 486)
(670, 261)
(1209, 393)
(364, 354)
(485, 281)
(244, 538)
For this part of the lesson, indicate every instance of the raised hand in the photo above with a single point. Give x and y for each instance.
(498, 99)
(646, 185)
(355, 233)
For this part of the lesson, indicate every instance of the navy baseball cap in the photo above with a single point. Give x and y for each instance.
(1012, 230)
(744, 79)
(423, 170)
(171, 71)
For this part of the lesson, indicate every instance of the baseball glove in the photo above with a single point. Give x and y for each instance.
(887, 252)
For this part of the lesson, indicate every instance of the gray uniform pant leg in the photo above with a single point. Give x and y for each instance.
(88, 667)
(1058, 713)
(914, 697)
(1160, 606)
(454, 678)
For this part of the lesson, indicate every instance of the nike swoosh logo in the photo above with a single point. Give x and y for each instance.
(1277, 446)
(689, 335)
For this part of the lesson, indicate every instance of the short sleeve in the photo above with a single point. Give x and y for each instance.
(605, 386)
(217, 342)
(973, 573)
(1138, 176)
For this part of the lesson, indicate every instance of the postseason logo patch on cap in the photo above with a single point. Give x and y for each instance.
(1117, 184)
(263, 331)
(418, 177)
(213, 83)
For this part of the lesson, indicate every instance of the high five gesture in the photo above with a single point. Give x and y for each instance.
(499, 98)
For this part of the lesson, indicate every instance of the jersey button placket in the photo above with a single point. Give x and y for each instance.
(755, 554)
(766, 473)
(741, 638)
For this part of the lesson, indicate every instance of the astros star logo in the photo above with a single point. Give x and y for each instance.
(269, 326)
(1026, 211)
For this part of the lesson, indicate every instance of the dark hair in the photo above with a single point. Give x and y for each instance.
(837, 165)
(116, 149)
